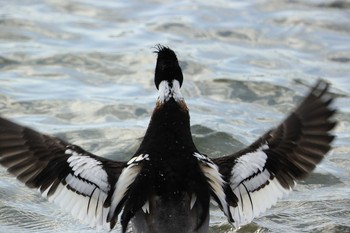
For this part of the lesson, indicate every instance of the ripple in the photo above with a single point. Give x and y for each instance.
(82, 71)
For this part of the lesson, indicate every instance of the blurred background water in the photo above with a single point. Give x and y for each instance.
(83, 70)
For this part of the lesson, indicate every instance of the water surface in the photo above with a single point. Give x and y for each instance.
(83, 70)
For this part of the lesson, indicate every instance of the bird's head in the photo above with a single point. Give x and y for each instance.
(168, 76)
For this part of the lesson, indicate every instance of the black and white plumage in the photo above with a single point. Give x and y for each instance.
(167, 185)
(268, 169)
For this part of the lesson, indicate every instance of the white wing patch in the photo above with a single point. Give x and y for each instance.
(145, 207)
(126, 178)
(254, 186)
(193, 200)
(247, 165)
(137, 159)
(215, 180)
(89, 169)
(252, 204)
(84, 191)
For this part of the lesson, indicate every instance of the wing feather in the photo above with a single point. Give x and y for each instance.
(77, 181)
(268, 169)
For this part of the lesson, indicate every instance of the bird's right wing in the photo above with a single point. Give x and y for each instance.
(79, 182)
(262, 173)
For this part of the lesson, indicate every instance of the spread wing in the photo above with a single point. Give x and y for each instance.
(79, 182)
(264, 172)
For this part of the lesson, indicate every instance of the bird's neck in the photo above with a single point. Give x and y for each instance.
(169, 130)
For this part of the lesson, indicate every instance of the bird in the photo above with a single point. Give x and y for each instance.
(168, 184)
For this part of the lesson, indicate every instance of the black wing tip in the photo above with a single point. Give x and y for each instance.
(312, 124)
(321, 88)
(327, 99)
(319, 100)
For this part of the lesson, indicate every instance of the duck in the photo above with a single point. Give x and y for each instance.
(168, 184)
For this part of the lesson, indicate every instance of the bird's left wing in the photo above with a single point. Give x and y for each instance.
(257, 176)
(79, 182)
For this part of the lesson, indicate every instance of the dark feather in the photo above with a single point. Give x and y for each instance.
(40, 161)
(296, 146)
